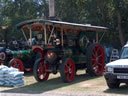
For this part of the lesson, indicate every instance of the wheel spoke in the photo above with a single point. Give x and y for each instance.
(99, 64)
(94, 64)
(42, 68)
(67, 66)
(15, 64)
(93, 54)
(66, 71)
(93, 59)
(70, 65)
(99, 56)
(40, 71)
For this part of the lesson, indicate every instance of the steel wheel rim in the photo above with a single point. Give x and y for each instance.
(42, 71)
(69, 70)
(98, 60)
(17, 64)
(3, 56)
(39, 50)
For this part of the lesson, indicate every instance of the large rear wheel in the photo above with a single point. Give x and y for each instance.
(41, 70)
(17, 63)
(67, 70)
(95, 59)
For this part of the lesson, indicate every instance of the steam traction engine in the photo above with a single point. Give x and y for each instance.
(20, 59)
(65, 48)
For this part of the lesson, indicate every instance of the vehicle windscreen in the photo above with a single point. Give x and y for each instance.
(124, 53)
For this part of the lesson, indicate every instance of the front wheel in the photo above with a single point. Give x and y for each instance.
(41, 70)
(67, 70)
(17, 63)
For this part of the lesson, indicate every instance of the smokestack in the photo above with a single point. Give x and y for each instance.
(51, 8)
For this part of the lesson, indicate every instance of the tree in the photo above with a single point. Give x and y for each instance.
(110, 13)
(15, 11)
(119, 5)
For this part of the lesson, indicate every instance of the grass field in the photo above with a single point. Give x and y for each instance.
(83, 84)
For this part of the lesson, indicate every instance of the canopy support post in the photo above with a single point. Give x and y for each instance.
(30, 37)
(45, 35)
(102, 37)
(62, 38)
(25, 36)
(96, 37)
(51, 34)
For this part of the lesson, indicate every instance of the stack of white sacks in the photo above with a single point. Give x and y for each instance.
(10, 76)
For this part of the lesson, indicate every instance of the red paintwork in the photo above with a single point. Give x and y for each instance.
(98, 60)
(50, 46)
(39, 49)
(49, 52)
(17, 63)
(69, 70)
(42, 73)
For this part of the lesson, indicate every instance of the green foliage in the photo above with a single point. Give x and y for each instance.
(95, 12)
(15, 11)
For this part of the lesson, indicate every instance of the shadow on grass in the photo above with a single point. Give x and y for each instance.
(28, 74)
(122, 90)
(49, 85)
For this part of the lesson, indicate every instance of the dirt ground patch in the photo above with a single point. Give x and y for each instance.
(83, 85)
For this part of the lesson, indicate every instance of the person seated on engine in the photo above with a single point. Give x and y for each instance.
(57, 40)
(34, 40)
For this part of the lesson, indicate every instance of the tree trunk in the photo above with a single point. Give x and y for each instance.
(121, 36)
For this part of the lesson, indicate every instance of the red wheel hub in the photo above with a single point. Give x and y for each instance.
(98, 60)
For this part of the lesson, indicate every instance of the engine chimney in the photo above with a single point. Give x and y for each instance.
(51, 9)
